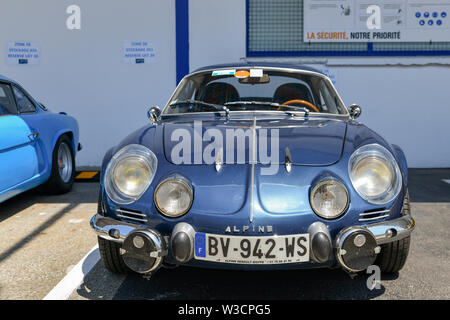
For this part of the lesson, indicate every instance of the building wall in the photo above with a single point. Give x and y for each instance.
(82, 71)
(406, 100)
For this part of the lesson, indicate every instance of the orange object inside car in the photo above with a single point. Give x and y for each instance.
(309, 105)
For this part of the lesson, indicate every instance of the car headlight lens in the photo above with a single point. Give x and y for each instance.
(129, 173)
(329, 199)
(375, 174)
(173, 197)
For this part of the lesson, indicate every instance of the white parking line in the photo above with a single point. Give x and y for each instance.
(73, 279)
(446, 180)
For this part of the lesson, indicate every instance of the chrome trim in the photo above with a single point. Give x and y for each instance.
(122, 213)
(373, 212)
(288, 160)
(402, 226)
(325, 116)
(354, 111)
(288, 70)
(374, 218)
(252, 178)
(154, 115)
(381, 214)
(219, 160)
(103, 225)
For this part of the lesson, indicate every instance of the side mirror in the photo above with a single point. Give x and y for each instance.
(355, 111)
(154, 114)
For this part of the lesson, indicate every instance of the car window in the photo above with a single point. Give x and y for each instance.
(7, 105)
(254, 89)
(328, 100)
(23, 103)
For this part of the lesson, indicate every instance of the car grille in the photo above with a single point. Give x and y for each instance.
(373, 215)
(131, 215)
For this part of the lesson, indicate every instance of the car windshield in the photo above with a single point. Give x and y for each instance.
(255, 89)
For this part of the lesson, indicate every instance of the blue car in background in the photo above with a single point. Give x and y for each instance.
(36, 146)
(254, 166)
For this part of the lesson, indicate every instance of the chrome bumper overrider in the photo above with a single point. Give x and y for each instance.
(384, 232)
(392, 230)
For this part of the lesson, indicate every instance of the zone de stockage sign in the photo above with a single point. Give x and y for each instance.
(376, 21)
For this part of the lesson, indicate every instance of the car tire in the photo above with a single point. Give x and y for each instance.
(393, 255)
(63, 167)
(111, 257)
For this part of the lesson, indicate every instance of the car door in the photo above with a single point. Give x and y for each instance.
(18, 157)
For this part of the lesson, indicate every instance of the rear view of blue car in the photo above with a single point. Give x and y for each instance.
(37, 147)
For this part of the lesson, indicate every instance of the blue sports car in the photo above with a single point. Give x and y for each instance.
(254, 166)
(37, 147)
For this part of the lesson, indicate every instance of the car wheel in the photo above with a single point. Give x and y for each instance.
(393, 255)
(63, 167)
(111, 257)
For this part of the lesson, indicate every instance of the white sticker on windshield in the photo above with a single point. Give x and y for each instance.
(256, 73)
(223, 72)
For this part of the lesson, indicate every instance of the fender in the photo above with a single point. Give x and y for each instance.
(400, 155)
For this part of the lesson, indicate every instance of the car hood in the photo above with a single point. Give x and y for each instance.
(311, 141)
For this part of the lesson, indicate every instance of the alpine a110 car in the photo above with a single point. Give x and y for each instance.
(254, 166)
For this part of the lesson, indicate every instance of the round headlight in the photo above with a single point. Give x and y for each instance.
(329, 199)
(173, 197)
(375, 174)
(129, 173)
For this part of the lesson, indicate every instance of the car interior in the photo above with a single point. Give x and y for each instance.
(6, 105)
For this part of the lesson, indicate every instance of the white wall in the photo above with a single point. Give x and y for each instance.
(217, 31)
(406, 100)
(408, 106)
(82, 71)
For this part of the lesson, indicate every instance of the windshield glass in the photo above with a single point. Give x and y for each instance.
(255, 89)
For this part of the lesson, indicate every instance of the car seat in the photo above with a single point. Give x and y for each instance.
(219, 93)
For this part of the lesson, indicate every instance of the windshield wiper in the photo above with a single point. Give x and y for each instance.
(272, 104)
(202, 103)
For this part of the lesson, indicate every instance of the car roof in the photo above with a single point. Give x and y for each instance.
(259, 64)
(2, 77)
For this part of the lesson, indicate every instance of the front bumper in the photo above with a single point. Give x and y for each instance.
(383, 232)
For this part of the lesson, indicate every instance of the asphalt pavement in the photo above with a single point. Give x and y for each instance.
(43, 237)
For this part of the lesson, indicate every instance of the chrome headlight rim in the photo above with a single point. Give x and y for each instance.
(188, 187)
(138, 153)
(320, 184)
(375, 151)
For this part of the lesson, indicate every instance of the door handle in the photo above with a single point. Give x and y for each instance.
(33, 135)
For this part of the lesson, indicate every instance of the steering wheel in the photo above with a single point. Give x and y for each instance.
(306, 103)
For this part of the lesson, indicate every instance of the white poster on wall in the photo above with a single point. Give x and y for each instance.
(138, 52)
(376, 21)
(23, 53)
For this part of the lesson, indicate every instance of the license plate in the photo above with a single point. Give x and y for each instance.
(252, 250)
